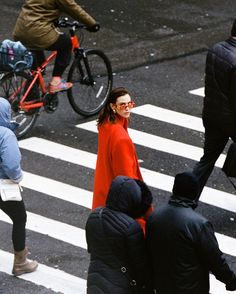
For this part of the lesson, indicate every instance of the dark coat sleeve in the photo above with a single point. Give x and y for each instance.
(233, 91)
(137, 256)
(213, 258)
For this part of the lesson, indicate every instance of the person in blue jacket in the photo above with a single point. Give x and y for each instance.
(10, 168)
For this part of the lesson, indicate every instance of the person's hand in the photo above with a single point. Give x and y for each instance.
(95, 28)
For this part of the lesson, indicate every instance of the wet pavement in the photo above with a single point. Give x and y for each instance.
(146, 31)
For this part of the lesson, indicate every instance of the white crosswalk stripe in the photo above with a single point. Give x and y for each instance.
(52, 228)
(198, 92)
(154, 179)
(170, 116)
(159, 143)
(63, 282)
(49, 277)
(57, 189)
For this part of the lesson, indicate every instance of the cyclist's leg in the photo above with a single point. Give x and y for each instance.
(63, 46)
(39, 57)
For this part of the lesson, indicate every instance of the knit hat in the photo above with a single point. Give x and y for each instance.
(186, 185)
(233, 30)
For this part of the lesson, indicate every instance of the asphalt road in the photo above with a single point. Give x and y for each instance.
(165, 85)
(145, 42)
(140, 32)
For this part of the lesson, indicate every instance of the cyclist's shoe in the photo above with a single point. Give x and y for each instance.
(62, 86)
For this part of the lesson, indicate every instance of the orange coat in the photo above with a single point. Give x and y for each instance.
(116, 156)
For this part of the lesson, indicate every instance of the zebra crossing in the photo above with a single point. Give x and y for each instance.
(63, 282)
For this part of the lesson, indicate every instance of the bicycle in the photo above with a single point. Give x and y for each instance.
(91, 75)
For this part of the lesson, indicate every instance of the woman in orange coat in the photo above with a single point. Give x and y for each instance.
(116, 152)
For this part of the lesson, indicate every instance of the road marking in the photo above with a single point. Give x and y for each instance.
(216, 287)
(170, 116)
(46, 276)
(164, 182)
(198, 92)
(52, 228)
(76, 236)
(154, 179)
(59, 281)
(160, 144)
(227, 244)
(57, 189)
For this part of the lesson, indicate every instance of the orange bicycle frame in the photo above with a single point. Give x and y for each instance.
(26, 105)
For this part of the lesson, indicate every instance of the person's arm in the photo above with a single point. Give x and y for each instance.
(74, 10)
(11, 158)
(232, 100)
(124, 158)
(213, 258)
(137, 257)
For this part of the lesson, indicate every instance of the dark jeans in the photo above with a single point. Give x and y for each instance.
(16, 211)
(216, 137)
(63, 46)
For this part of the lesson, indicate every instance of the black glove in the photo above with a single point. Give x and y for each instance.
(94, 28)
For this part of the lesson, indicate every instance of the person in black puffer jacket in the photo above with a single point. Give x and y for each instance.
(219, 109)
(118, 256)
(182, 244)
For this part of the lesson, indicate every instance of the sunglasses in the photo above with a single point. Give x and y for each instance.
(123, 105)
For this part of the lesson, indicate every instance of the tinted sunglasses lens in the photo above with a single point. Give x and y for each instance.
(130, 104)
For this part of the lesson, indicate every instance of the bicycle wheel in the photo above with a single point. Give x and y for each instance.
(12, 87)
(91, 75)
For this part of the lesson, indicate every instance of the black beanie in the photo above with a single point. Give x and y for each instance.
(233, 30)
(186, 185)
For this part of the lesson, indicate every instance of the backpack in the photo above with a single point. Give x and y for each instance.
(14, 56)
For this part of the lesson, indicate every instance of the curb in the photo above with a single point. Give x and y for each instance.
(149, 52)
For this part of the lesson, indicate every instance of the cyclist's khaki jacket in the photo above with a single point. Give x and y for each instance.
(35, 25)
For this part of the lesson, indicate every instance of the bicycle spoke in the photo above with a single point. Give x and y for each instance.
(92, 81)
(12, 87)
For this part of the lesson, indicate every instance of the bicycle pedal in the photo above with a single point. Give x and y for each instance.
(50, 102)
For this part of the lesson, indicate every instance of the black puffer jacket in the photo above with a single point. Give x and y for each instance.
(220, 85)
(116, 240)
(183, 250)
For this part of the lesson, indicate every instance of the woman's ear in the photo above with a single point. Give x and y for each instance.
(113, 107)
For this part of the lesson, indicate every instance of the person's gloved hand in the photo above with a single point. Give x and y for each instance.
(94, 28)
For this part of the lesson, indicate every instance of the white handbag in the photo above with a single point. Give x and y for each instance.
(10, 191)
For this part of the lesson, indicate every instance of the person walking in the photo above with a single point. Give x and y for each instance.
(219, 109)
(10, 168)
(116, 152)
(118, 255)
(36, 29)
(182, 245)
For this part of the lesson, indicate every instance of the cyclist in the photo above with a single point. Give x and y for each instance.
(36, 29)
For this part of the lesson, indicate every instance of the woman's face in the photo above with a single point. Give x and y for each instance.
(123, 106)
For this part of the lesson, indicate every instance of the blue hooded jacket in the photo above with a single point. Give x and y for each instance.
(10, 156)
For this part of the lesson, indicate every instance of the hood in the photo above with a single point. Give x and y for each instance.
(129, 196)
(5, 115)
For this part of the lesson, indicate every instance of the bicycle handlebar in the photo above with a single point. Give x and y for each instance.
(65, 23)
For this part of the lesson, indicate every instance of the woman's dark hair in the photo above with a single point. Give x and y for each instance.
(146, 200)
(107, 112)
